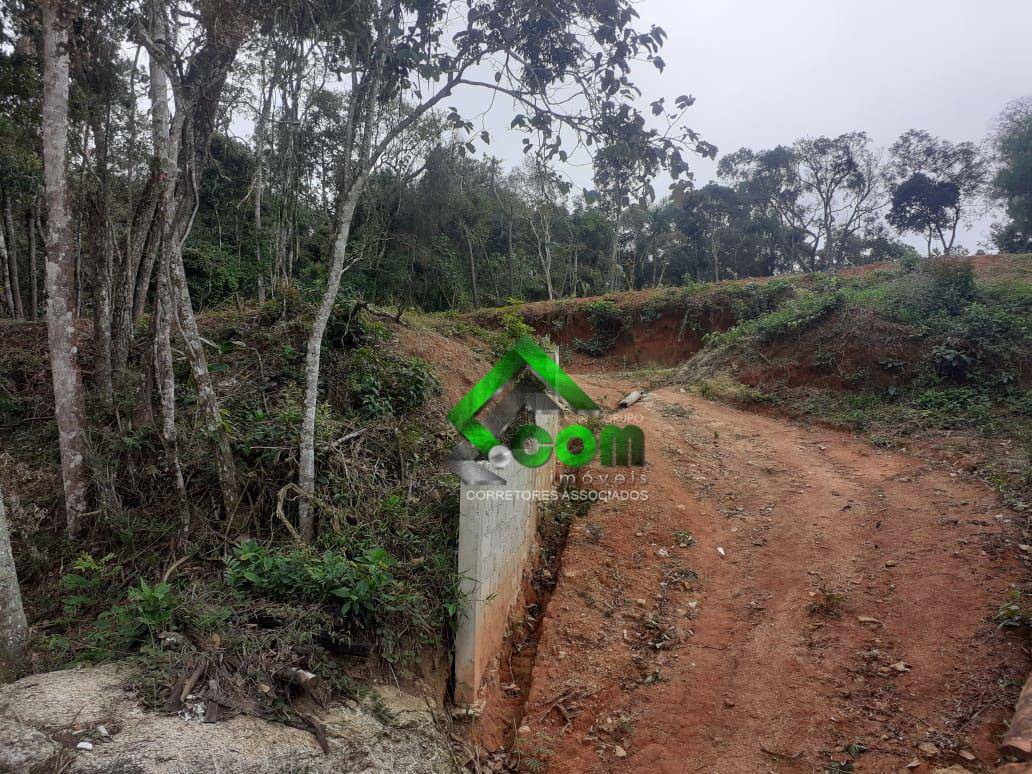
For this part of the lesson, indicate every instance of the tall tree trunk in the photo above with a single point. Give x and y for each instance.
(14, 631)
(30, 227)
(511, 253)
(207, 400)
(614, 244)
(306, 471)
(101, 251)
(124, 274)
(134, 272)
(177, 219)
(12, 256)
(259, 179)
(5, 275)
(184, 153)
(543, 239)
(164, 377)
(472, 268)
(573, 286)
(148, 257)
(160, 132)
(61, 332)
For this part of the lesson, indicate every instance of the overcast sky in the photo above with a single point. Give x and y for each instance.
(767, 72)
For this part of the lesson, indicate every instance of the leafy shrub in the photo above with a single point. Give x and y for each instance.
(379, 383)
(358, 587)
(146, 611)
(950, 362)
(608, 321)
(88, 582)
(605, 316)
(792, 317)
(512, 328)
(596, 346)
(1016, 611)
(953, 281)
(11, 407)
(149, 609)
(975, 342)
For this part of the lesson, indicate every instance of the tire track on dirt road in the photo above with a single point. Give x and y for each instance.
(852, 606)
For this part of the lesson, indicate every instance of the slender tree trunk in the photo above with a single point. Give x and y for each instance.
(165, 378)
(259, 181)
(160, 133)
(511, 253)
(124, 275)
(948, 246)
(176, 227)
(472, 268)
(12, 256)
(61, 332)
(101, 252)
(5, 275)
(614, 247)
(134, 272)
(182, 155)
(14, 630)
(148, 257)
(306, 473)
(544, 251)
(207, 400)
(573, 287)
(30, 227)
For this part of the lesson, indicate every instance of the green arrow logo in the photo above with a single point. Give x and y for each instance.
(525, 352)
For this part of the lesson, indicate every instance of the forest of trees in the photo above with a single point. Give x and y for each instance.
(441, 223)
(163, 157)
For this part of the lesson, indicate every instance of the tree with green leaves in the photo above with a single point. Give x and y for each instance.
(386, 50)
(1012, 183)
(924, 206)
(937, 185)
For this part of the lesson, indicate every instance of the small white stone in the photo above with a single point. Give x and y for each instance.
(84, 746)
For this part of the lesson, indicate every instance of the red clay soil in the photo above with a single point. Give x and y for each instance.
(455, 362)
(661, 342)
(853, 605)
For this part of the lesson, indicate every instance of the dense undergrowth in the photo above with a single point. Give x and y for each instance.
(240, 595)
(921, 349)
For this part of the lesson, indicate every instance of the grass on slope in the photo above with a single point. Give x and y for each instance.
(923, 350)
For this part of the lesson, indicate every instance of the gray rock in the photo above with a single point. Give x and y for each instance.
(40, 714)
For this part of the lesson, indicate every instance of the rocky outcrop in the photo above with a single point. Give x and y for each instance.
(83, 721)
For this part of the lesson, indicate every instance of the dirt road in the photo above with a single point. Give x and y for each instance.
(847, 621)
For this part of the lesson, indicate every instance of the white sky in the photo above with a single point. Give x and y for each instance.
(765, 72)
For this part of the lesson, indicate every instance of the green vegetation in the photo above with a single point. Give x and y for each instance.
(511, 328)
(684, 539)
(806, 308)
(920, 348)
(379, 383)
(607, 321)
(382, 573)
(1016, 611)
